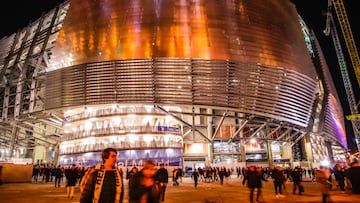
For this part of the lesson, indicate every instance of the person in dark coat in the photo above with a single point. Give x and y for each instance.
(144, 188)
(340, 176)
(296, 178)
(253, 179)
(58, 175)
(162, 178)
(279, 179)
(222, 174)
(195, 175)
(105, 184)
(261, 177)
(129, 177)
(71, 176)
(354, 177)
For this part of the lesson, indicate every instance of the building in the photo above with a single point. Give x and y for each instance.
(187, 83)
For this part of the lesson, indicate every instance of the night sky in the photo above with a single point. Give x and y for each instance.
(313, 13)
(18, 14)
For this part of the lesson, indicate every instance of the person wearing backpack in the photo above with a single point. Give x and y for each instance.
(104, 185)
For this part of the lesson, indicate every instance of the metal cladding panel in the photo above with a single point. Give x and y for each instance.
(265, 32)
(225, 54)
(265, 91)
(332, 123)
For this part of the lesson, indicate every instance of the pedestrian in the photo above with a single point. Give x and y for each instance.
(175, 176)
(195, 175)
(322, 177)
(36, 172)
(132, 172)
(313, 172)
(144, 188)
(261, 177)
(85, 178)
(104, 185)
(238, 171)
(58, 174)
(129, 176)
(222, 174)
(354, 177)
(162, 177)
(297, 178)
(279, 181)
(71, 176)
(253, 180)
(181, 174)
(340, 176)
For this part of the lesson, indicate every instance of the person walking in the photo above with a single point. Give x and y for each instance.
(222, 174)
(175, 174)
(195, 175)
(354, 177)
(322, 177)
(71, 176)
(261, 177)
(296, 177)
(129, 176)
(104, 185)
(340, 176)
(144, 188)
(162, 177)
(253, 180)
(58, 174)
(279, 181)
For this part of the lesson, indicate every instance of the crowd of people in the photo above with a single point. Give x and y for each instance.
(341, 177)
(148, 183)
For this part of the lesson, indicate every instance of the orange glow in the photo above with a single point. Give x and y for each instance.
(95, 31)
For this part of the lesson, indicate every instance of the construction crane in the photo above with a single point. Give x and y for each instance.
(353, 54)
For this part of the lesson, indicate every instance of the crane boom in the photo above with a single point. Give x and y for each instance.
(351, 47)
(348, 36)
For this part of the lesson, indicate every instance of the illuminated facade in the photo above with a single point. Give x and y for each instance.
(185, 82)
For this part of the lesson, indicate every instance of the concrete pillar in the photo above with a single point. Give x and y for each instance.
(56, 157)
(286, 153)
(210, 132)
(242, 147)
(242, 151)
(308, 151)
(270, 154)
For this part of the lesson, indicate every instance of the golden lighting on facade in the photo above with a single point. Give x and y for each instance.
(121, 30)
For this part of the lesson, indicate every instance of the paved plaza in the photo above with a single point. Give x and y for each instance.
(231, 191)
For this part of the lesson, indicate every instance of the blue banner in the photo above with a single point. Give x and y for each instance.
(126, 158)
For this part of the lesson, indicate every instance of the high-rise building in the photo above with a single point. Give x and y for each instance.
(188, 83)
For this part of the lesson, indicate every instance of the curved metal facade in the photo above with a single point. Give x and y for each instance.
(181, 81)
(246, 31)
(254, 89)
(332, 123)
(223, 54)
